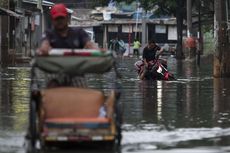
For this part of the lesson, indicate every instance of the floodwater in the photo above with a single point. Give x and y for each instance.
(189, 115)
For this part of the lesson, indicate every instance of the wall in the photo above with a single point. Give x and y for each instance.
(0, 38)
(4, 33)
(160, 33)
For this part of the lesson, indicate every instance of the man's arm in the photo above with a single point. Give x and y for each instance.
(85, 40)
(144, 57)
(161, 49)
(90, 45)
(44, 47)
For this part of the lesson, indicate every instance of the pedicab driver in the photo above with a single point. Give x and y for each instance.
(62, 36)
(149, 54)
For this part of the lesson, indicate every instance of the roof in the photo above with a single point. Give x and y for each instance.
(169, 21)
(4, 11)
(44, 3)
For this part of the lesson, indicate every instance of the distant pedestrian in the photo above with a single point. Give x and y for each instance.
(136, 47)
(117, 45)
(191, 44)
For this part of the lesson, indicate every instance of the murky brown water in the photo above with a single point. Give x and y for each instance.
(190, 115)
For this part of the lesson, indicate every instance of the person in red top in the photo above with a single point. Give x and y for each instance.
(191, 44)
(62, 36)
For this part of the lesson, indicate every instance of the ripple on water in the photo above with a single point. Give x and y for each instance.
(11, 142)
(161, 136)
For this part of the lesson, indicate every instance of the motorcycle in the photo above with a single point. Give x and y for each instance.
(156, 70)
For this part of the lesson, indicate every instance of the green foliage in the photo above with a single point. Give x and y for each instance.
(148, 4)
(100, 3)
(169, 7)
(166, 7)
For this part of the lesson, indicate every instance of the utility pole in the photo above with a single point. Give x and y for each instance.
(199, 35)
(189, 18)
(4, 38)
(179, 19)
(137, 17)
(222, 54)
(144, 31)
(39, 6)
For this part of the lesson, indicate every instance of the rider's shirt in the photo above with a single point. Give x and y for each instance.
(136, 45)
(75, 39)
(150, 53)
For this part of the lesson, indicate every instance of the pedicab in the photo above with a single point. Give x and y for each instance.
(61, 112)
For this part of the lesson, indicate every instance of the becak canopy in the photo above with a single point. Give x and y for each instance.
(75, 62)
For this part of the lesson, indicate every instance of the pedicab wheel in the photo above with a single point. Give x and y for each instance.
(118, 137)
(117, 141)
(33, 126)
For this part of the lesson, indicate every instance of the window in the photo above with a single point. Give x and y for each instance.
(137, 28)
(160, 29)
(112, 28)
(172, 33)
(127, 29)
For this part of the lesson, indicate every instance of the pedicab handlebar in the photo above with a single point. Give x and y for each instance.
(75, 61)
(77, 52)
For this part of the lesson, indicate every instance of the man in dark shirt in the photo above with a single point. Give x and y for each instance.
(62, 36)
(149, 54)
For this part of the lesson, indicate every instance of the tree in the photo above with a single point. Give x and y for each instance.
(222, 54)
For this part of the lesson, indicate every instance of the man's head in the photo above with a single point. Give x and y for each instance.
(151, 44)
(59, 16)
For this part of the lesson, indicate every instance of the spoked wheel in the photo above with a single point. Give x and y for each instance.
(33, 124)
(117, 141)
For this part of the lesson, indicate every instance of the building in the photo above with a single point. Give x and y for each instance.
(86, 4)
(8, 21)
(21, 26)
(163, 31)
(127, 27)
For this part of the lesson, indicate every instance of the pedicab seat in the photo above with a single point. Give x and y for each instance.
(67, 107)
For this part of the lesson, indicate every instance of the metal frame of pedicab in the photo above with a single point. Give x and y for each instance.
(59, 62)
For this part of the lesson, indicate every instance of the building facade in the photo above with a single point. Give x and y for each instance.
(78, 3)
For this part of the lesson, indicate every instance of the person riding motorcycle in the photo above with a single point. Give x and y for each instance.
(149, 55)
(62, 36)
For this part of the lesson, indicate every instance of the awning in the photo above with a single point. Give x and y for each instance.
(4, 11)
(45, 3)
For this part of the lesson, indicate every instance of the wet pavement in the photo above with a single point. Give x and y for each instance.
(189, 115)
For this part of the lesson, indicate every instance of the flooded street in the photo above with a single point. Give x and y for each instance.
(189, 115)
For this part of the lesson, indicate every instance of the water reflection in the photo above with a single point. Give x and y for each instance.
(192, 112)
(221, 105)
(14, 88)
(178, 111)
